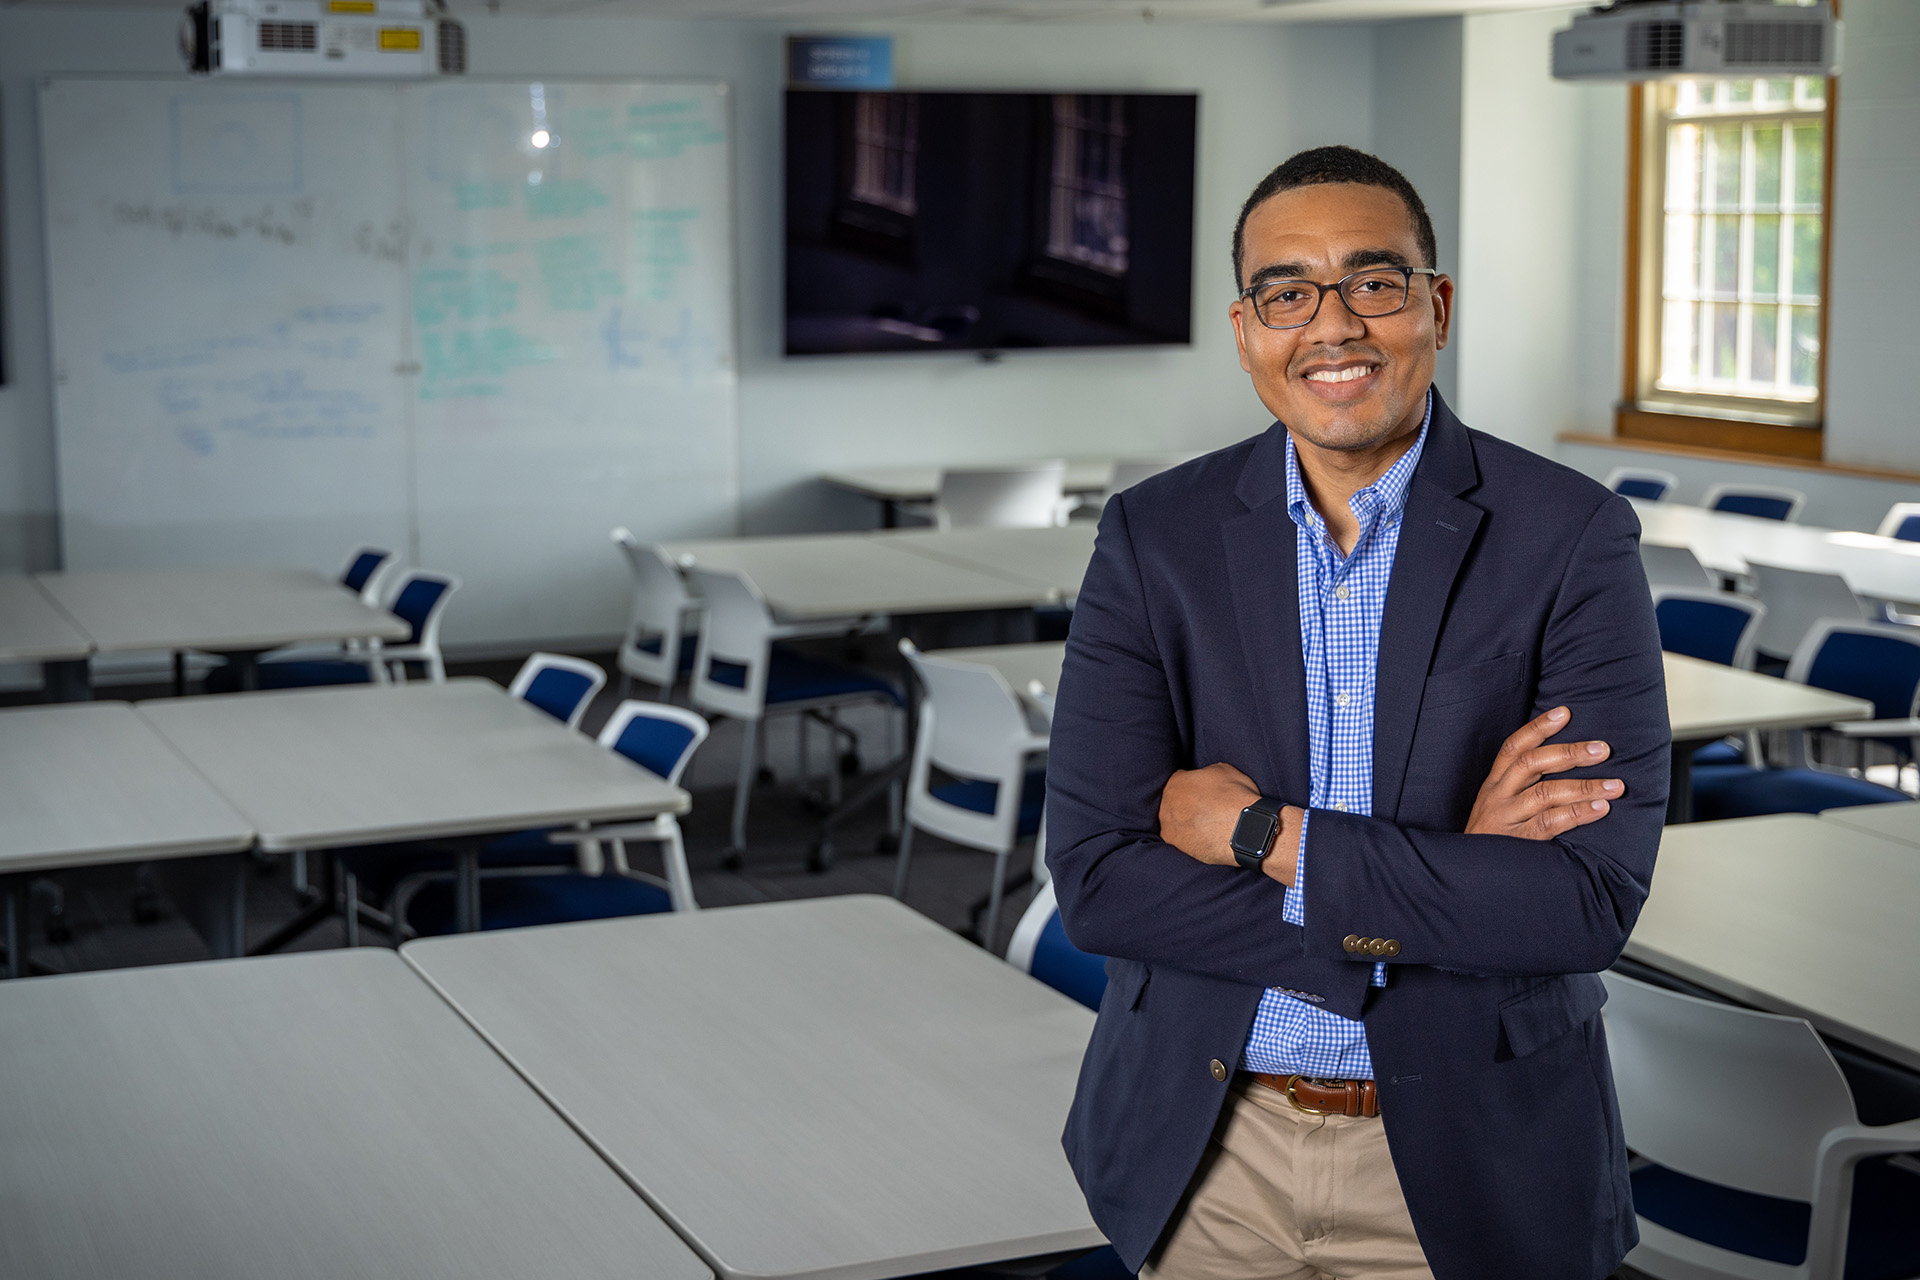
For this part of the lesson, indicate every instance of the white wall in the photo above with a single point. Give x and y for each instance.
(1542, 189)
(1265, 92)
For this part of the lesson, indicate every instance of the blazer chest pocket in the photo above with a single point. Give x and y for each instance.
(1475, 682)
(1540, 1015)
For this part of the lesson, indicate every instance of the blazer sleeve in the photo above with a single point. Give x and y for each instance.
(1502, 905)
(1116, 740)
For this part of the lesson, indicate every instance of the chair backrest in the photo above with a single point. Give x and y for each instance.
(365, 569)
(658, 737)
(650, 650)
(1795, 600)
(1040, 947)
(1775, 1093)
(1765, 501)
(1641, 482)
(972, 726)
(559, 685)
(1902, 522)
(1023, 497)
(420, 601)
(1875, 661)
(1674, 567)
(1714, 626)
(736, 642)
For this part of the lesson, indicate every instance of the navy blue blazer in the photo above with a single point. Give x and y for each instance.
(1516, 587)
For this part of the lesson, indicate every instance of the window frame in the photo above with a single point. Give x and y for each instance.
(1742, 424)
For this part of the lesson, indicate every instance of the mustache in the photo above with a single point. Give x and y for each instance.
(1336, 355)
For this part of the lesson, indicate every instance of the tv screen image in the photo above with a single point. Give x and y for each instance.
(988, 221)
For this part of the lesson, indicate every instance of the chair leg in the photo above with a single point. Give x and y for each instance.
(900, 867)
(833, 757)
(742, 788)
(350, 907)
(674, 851)
(993, 901)
(626, 683)
(801, 739)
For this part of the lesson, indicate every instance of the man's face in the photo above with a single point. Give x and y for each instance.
(1341, 382)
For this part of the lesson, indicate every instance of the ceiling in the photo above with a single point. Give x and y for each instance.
(1104, 11)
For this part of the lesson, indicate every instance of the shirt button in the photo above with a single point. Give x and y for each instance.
(1341, 807)
(1341, 592)
(1341, 699)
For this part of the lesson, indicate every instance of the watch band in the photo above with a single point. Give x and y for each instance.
(1247, 855)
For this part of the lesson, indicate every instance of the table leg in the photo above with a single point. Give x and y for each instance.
(246, 669)
(889, 514)
(211, 893)
(1680, 780)
(179, 673)
(67, 681)
(325, 904)
(10, 895)
(466, 917)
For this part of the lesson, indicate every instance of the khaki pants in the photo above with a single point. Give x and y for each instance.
(1283, 1195)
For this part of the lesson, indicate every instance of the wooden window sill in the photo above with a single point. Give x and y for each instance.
(1718, 435)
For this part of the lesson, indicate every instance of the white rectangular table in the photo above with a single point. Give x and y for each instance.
(1053, 560)
(892, 487)
(368, 764)
(1797, 915)
(302, 1117)
(836, 1088)
(1896, 822)
(239, 611)
(88, 783)
(34, 629)
(1883, 568)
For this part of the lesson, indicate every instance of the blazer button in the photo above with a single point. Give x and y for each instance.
(1376, 947)
(1218, 1068)
(1351, 942)
(1393, 947)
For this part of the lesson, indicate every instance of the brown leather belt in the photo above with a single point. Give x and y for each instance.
(1319, 1097)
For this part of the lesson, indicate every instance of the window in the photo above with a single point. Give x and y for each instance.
(1726, 288)
(1087, 187)
(886, 150)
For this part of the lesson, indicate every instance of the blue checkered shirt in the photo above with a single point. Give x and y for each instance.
(1341, 600)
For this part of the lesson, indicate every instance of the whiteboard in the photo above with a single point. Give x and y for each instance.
(288, 319)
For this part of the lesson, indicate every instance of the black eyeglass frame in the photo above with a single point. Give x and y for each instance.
(1339, 287)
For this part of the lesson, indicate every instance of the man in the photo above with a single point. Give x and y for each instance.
(1302, 792)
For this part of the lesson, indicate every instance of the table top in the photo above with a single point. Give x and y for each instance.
(1054, 560)
(1793, 914)
(231, 610)
(298, 1117)
(921, 482)
(832, 575)
(1898, 822)
(835, 1088)
(1706, 700)
(32, 627)
(90, 782)
(1884, 568)
(360, 764)
(1018, 664)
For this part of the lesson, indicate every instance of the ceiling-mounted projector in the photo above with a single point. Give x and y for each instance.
(1670, 39)
(387, 38)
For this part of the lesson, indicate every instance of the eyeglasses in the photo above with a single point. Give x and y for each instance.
(1372, 293)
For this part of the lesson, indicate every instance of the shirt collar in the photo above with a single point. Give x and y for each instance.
(1389, 491)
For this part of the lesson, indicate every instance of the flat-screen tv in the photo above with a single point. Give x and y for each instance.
(988, 221)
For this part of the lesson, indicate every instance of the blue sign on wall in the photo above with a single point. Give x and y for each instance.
(840, 62)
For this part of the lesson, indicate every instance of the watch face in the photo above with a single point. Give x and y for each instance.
(1253, 833)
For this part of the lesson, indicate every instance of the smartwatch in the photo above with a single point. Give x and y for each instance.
(1253, 835)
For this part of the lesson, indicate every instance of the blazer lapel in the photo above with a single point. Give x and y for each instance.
(1263, 577)
(1436, 530)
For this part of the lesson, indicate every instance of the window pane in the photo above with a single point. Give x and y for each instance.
(1683, 167)
(1806, 165)
(1677, 343)
(1806, 256)
(1766, 166)
(1806, 347)
(1765, 345)
(1682, 269)
(1774, 93)
(1723, 167)
(1725, 255)
(1766, 255)
(1810, 91)
(1723, 326)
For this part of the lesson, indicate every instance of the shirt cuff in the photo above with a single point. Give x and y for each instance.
(1293, 907)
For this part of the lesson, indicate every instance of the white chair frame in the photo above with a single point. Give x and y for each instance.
(1793, 497)
(1019, 497)
(1779, 1120)
(662, 604)
(1743, 651)
(1033, 922)
(1896, 516)
(1797, 601)
(537, 662)
(1670, 566)
(394, 658)
(972, 725)
(1852, 730)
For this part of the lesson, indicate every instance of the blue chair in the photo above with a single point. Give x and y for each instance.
(1872, 661)
(1902, 521)
(1040, 947)
(1714, 626)
(1753, 1160)
(420, 601)
(550, 877)
(740, 670)
(1762, 501)
(1641, 482)
(365, 572)
(558, 685)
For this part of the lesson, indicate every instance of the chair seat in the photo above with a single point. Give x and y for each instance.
(380, 867)
(1721, 752)
(294, 674)
(1742, 791)
(1066, 968)
(517, 902)
(1882, 1242)
(980, 796)
(689, 645)
(794, 677)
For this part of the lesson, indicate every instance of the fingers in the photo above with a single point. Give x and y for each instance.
(1536, 764)
(1564, 818)
(1532, 734)
(1571, 791)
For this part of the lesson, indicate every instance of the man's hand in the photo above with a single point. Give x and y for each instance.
(1515, 801)
(1198, 810)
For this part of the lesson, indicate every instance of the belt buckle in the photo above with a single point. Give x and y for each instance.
(1299, 1105)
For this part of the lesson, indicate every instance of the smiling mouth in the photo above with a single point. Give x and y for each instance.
(1349, 374)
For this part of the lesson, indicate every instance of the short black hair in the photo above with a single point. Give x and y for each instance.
(1321, 165)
